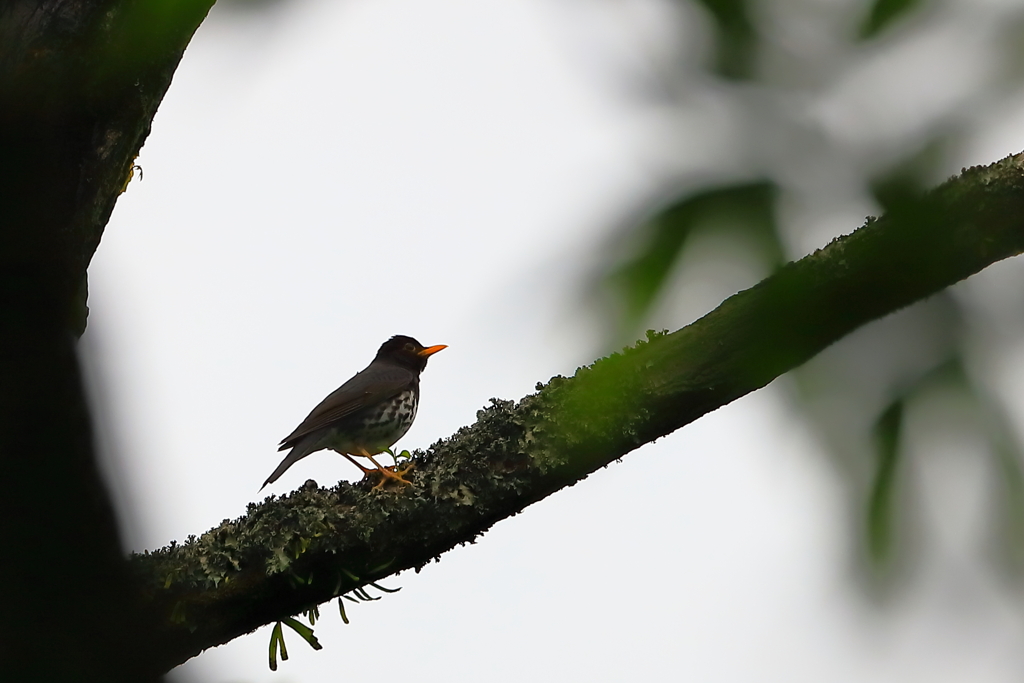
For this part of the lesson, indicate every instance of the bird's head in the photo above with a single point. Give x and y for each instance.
(407, 352)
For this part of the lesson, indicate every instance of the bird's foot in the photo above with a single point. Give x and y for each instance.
(394, 473)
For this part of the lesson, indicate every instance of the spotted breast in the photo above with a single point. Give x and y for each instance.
(385, 423)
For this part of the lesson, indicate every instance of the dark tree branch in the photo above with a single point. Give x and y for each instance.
(288, 554)
(79, 83)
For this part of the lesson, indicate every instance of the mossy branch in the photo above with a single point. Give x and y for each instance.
(287, 554)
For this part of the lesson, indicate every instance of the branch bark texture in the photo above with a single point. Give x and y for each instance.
(288, 554)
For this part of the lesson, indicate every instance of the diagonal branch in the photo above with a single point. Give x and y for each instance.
(287, 554)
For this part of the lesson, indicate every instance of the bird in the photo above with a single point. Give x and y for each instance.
(367, 414)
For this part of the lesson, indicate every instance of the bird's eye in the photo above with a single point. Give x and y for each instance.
(409, 347)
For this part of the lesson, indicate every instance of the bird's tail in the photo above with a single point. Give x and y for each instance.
(300, 451)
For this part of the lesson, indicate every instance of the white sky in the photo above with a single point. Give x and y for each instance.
(324, 177)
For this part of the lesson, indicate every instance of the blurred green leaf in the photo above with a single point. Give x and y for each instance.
(882, 14)
(1010, 529)
(954, 374)
(880, 508)
(749, 207)
(905, 182)
(736, 38)
(887, 431)
(998, 430)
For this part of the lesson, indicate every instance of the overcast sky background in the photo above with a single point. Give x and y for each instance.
(323, 175)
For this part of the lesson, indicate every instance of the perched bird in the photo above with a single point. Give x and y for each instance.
(368, 413)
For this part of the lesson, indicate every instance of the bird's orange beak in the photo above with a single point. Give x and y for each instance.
(431, 350)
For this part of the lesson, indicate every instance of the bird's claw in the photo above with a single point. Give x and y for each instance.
(394, 473)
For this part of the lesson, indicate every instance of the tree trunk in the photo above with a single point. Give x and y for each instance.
(79, 83)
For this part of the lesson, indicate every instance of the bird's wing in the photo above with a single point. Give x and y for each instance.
(363, 390)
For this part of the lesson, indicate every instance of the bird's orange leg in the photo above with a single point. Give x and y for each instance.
(366, 470)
